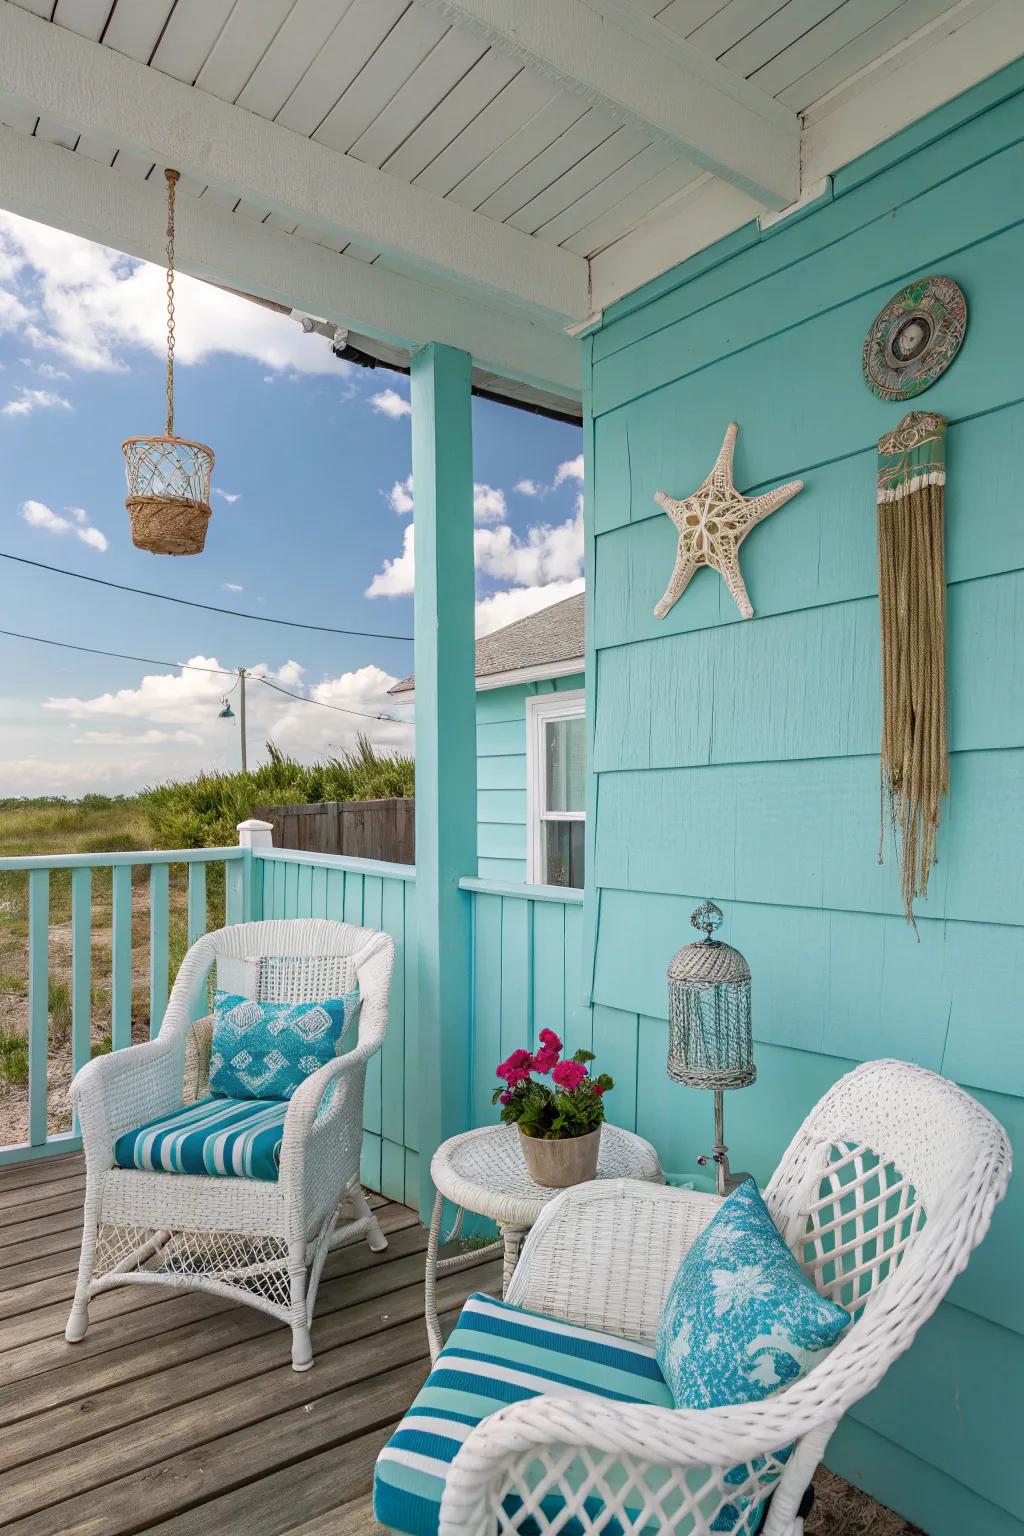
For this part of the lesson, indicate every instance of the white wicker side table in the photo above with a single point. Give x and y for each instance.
(483, 1171)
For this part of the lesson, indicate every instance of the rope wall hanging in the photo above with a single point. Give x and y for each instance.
(168, 497)
(912, 603)
(912, 341)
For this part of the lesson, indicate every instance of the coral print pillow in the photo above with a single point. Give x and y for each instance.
(742, 1320)
(265, 1050)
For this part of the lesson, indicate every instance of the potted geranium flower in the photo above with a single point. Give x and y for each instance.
(560, 1125)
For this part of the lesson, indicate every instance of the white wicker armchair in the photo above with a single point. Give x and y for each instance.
(252, 1240)
(882, 1195)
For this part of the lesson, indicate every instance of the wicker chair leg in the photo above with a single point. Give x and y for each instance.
(78, 1320)
(374, 1236)
(302, 1344)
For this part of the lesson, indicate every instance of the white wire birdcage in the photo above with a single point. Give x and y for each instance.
(168, 497)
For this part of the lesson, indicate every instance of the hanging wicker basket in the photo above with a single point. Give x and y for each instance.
(168, 497)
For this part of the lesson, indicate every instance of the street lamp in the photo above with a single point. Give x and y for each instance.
(227, 713)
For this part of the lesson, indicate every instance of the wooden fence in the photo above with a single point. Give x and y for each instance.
(361, 829)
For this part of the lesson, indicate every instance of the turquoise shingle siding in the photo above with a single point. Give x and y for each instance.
(501, 775)
(739, 760)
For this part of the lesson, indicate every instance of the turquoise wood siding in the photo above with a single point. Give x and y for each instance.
(501, 775)
(739, 759)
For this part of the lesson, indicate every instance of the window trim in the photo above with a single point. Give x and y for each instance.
(541, 708)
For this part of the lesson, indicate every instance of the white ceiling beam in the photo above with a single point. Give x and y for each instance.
(92, 89)
(44, 182)
(695, 218)
(965, 44)
(620, 59)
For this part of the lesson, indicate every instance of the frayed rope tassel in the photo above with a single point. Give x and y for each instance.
(912, 605)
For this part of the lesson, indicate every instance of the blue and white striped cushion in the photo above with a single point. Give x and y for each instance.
(228, 1138)
(499, 1354)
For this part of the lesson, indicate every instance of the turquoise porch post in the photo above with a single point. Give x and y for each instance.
(442, 466)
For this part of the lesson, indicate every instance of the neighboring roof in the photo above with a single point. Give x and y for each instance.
(548, 639)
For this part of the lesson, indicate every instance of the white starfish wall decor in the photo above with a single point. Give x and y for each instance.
(713, 523)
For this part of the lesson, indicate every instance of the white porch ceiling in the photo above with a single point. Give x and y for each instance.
(540, 156)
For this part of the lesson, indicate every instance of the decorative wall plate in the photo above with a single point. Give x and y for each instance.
(914, 338)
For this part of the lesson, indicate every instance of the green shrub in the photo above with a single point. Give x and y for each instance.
(13, 1057)
(110, 842)
(102, 1047)
(204, 812)
(58, 1005)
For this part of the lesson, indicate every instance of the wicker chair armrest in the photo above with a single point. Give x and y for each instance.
(111, 1094)
(604, 1254)
(509, 1452)
(322, 1141)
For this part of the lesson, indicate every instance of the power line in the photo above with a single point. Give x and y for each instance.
(91, 650)
(303, 700)
(187, 666)
(187, 602)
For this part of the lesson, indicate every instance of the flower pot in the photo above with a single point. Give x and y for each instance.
(557, 1164)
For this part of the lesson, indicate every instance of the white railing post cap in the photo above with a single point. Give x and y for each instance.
(256, 834)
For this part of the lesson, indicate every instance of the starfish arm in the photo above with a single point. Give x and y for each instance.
(681, 577)
(727, 562)
(758, 507)
(675, 509)
(722, 472)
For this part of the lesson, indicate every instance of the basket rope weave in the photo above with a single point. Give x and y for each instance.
(168, 497)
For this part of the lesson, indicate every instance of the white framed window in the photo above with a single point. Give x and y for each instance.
(556, 776)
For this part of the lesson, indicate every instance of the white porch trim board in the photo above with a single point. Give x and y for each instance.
(442, 466)
(516, 675)
(93, 90)
(71, 192)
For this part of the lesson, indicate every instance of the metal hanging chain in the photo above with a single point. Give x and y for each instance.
(172, 180)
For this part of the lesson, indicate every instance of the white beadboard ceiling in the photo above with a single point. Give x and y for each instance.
(395, 85)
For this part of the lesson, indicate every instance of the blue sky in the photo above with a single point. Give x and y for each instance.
(312, 509)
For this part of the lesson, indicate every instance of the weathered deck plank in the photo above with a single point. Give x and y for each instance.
(179, 1412)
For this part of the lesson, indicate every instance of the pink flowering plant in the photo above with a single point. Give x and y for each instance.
(573, 1106)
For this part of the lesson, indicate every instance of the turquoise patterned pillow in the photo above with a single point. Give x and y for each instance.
(742, 1319)
(265, 1050)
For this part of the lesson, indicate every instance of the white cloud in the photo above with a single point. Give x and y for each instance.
(229, 496)
(28, 400)
(147, 738)
(38, 515)
(528, 488)
(232, 586)
(388, 402)
(503, 608)
(572, 469)
(88, 305)
(489, 505)
(396, 578)
(61, 776)
(547, 554)
(400, 496)
(177, 713)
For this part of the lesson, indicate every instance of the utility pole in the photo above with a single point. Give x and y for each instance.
(241, 718)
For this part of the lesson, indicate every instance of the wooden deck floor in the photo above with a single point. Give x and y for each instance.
(179, 1412)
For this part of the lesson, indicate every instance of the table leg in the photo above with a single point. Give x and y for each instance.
(513, 1238)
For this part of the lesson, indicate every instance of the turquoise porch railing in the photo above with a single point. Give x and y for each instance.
(527, 958)
(78, 900)
(526, 964)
